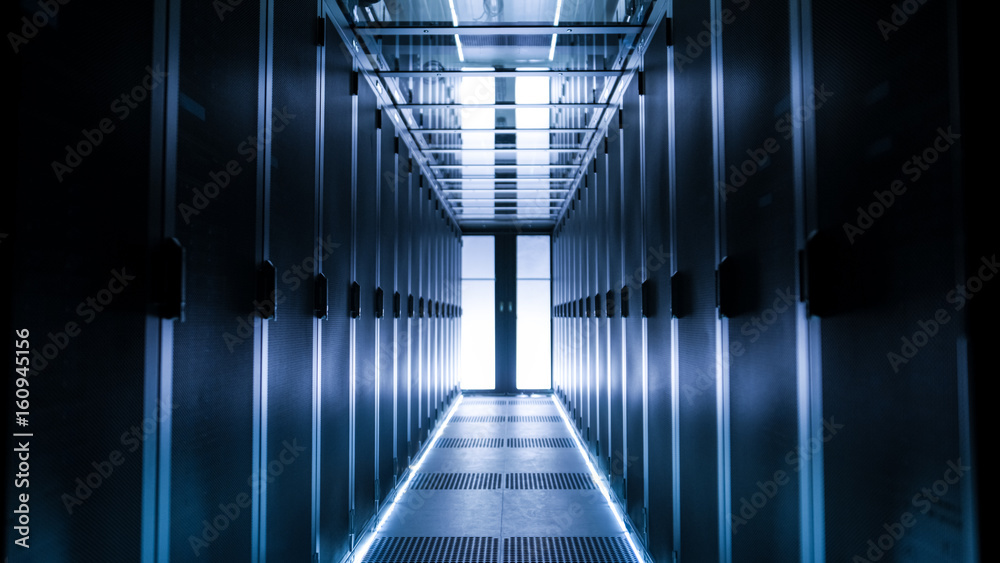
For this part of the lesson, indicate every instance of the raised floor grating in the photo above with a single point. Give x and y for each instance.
(549, 481)
(456, 481)
(433, 550)
(567, 550)
(484, 402)
(534, 419)
(470, 442)
(539, 443)
(542, 401)
(478, 418)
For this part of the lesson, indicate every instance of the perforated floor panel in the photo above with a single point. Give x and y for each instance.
(456, 481)
(549, 481)
(432, 550)
(534, 419)
(567, 550)
(505, 490)
(470, 443)
(539, 443)
(477, 419)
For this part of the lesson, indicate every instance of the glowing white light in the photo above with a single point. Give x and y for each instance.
(552, 48)
(454, 15)
(458, 42)
(596, 477)
(366, 543)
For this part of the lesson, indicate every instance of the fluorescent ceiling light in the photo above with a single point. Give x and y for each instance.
(552, 48)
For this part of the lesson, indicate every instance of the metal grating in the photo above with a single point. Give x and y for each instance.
(470, 442)
(433, 550)
(544, 401)
(478, 418)
(505, 40)
(534, 419)
(456, 481)
(484, 402)
(549, 481)
(539, 443)
(568, 550)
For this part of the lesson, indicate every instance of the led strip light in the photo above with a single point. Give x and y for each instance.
(640, 554)
(362, 550)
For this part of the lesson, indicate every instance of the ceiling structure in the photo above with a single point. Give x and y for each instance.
(502, 103)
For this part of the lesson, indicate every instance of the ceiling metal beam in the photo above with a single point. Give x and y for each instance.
(463, 166)
(505, 200)
(495, 73)
(653, 18)
(500, 106)
(504, 190)
(538, 216)
(458, 151)
(584, 29)
(487, 179)
(549, 130)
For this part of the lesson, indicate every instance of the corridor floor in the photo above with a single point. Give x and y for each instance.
(504, 482)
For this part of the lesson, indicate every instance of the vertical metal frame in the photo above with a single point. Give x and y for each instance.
(721, 323)
(378, 322)
(159, 349)
(320, 236)
(259, 508)
(807, 331)
(675, 387)
(645, 328)
(352, 345)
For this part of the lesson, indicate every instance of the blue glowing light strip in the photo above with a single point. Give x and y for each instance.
(599, 481)
(362, 550)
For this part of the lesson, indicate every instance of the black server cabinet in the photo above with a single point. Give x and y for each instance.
(886, 283)
(388, 259)
(295, 248)
(404, 244)
(416, 307)
(433, 306)
(451, 297)
(696, 195)
(365, 331)
(335, 353)
(757, 284)
(633, 272)
(558, 297)
(78, 249)
(604, 252)
(616, 445)
(593, 322)
(427, 303)
(571, 368)
(655, 302)
(217, 373)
